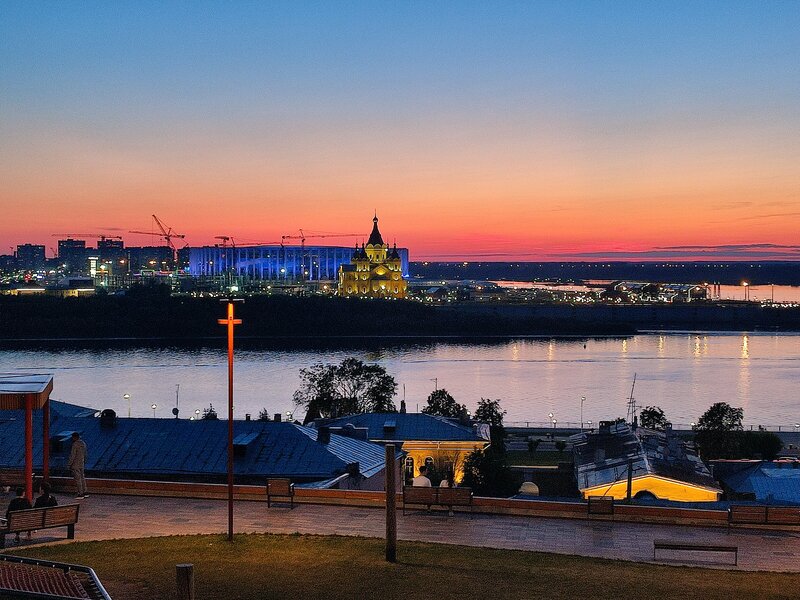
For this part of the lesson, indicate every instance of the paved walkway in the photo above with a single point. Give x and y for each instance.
(108, 517)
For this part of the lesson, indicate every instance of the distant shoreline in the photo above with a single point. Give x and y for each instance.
(271, 320)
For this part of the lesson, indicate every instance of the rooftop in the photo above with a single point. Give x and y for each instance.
(409, 426)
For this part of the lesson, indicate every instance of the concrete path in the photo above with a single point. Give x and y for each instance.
(108, 517)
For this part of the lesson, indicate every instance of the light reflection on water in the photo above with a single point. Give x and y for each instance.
(684, 373)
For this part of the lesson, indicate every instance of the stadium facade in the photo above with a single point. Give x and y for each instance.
(276, 263)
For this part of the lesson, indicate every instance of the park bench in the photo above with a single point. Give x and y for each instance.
(600, 506)
(744, 514)
(280, 488)
(695, 547)
(747, 515)
(41, 518)
(783, 515)
(438, 496)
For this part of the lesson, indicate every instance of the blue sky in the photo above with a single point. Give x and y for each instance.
(534, 108)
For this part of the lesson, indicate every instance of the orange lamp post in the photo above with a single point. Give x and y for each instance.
(230, 322)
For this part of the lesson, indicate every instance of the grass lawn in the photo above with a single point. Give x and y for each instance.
(331, 568)
(539, 458)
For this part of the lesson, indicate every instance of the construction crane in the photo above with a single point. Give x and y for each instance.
(101, 236)
(166, 232)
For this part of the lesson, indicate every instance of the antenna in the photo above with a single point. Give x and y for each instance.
(632, 403)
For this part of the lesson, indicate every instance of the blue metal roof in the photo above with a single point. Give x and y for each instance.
(407, 427)
(179, 447)
(769, 481)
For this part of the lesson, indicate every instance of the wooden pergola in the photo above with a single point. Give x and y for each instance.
(29, 392)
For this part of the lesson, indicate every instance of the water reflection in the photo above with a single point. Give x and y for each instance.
(531, 376)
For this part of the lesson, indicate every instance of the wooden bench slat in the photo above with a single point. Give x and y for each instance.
(439, 496)
(695, 547)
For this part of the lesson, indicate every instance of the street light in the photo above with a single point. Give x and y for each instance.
(154, 407)
(583, 399)
(229, 322)
(590, 425)
(128, 398)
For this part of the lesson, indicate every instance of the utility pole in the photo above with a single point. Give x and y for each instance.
(230, 322)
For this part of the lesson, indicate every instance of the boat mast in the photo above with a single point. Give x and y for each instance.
(632, 403)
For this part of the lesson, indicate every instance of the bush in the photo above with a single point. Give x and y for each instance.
(533, 445)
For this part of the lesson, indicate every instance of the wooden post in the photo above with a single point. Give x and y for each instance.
(29, 446)
(46, 440)
(184, 577)
(630, 478)
(391, 505)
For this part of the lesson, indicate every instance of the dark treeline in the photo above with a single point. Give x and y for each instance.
(678, 271)
(154, 315)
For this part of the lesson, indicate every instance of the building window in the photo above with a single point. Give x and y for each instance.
(429, 462)
(409, 471)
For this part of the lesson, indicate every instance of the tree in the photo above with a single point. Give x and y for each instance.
(533, 445)
(489, 411)
(348, 388)
(560, 445)
(441, 403)
(652, 417)
(263, 415)
(209, 413)
(719, 432)
(488, 474)
(721, 417)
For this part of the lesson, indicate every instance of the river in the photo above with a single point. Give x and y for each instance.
(683, 373)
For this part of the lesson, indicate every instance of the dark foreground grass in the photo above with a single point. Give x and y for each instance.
(332, 568)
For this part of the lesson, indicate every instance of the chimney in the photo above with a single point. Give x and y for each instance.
(402, 406)
(247, 416)
(353, 469)
(324, 435)
(277, 418)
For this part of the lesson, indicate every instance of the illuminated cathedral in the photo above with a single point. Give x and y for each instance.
(374, 271)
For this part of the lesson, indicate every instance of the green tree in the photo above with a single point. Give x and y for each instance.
(441, 403)
(652, 417)
(718, 432)
(488, 474)
(263, 415)
(489, 411)
(209, 413)
(759, 444)
(348, 388)
(721, 417)
(533, 445)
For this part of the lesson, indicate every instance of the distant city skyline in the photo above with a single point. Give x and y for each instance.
(482, 131)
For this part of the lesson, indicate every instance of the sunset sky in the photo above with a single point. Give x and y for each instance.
(535, 130)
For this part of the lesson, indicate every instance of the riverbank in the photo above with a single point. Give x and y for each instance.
(176, 320)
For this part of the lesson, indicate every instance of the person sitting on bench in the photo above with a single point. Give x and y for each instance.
(19, 503)
(46, 498)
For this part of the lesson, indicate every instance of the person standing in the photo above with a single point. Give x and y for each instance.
(77, 462)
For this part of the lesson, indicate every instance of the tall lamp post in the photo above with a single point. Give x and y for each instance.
(230, 322)
(583, 399)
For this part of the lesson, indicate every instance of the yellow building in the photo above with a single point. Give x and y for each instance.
(374, 271)
(428, 440)
(661, 465)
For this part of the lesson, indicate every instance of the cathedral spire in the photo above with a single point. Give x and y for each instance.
(375, 238)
